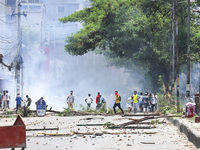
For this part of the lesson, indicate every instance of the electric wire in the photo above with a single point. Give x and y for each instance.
(10, 47)
(3, 4)
(8, 22)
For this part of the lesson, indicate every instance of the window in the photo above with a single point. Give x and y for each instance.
(33, 1)
(10, 2)
(61, 9)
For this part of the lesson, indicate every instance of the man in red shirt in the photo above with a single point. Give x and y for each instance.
(98, 102)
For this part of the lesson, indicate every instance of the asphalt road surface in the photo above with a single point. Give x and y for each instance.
(165, 136)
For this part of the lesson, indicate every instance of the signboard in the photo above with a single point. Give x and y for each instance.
(41, 107)
(32, 7)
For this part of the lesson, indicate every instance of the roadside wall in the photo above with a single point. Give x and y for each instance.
(192, 134)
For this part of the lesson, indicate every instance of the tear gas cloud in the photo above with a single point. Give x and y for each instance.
(84, 75)
(50, 72)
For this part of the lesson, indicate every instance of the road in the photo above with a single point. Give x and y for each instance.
(166, 137)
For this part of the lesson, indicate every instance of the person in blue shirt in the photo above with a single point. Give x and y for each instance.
(18, 102)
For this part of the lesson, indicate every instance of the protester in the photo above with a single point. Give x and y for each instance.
(89, 100)
(135, 98)
(146, 103)
(7, 100)
(98, 101)
(117, 102)
(156, 100)
(102, 99)
(0, 101)
(18, 102)
(4, 97)
(129, 104)
(103, 102)
(141, 102)
(28, 100)
(70, 100)
(150, 99)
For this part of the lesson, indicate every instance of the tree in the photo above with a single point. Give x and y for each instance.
(129, 32)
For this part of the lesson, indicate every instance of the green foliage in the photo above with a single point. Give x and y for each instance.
(108, 124)
(133, 32)
(169, 109)
(26, 112)
(166, 108)
(155, 122)
(103, 108)
(9, 112)
(82, 108)
(66, 112)
(161, 83)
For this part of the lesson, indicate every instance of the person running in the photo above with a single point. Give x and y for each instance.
(7, 100)
(18, 102)
(98, 101)
(89, 100)
(117, 103)
(70, 100)
(129, 104)
(135, 98)
(28, 99)
(146, 103)
(141, 102)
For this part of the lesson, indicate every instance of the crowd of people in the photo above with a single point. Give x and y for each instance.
(5, 101)
(146, 103)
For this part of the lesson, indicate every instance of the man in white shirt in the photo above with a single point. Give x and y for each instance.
(70, 100)
(89, 100)
(7, 100)
(155, 100)
(4, 97)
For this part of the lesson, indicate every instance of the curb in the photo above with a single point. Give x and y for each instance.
(192, 135)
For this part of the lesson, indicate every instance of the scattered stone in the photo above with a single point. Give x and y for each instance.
(74, 136)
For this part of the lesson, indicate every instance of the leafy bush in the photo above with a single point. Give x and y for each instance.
(103, 108)
(66, 112)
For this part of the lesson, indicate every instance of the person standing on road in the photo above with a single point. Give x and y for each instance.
(156, 100)
(129, 104)
(141, 102)
(102, 99)
(70, 100)
(89, 100)
(4, 97)
(28, 99)
(98, 101)
(135, 98)
(117, 102)
(150, 99)
(7, 100)
(0, 101)
(18, 102)
(146, 103)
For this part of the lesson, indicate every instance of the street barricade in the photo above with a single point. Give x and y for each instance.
(13, 136)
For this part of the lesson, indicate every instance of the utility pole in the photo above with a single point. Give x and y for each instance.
(18, 58)
(188, 55)
(170, 71)
(17, 69)
(199, 80)
(173, 52)
(177, 58)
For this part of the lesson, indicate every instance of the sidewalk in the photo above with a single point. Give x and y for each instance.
(189, 128)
